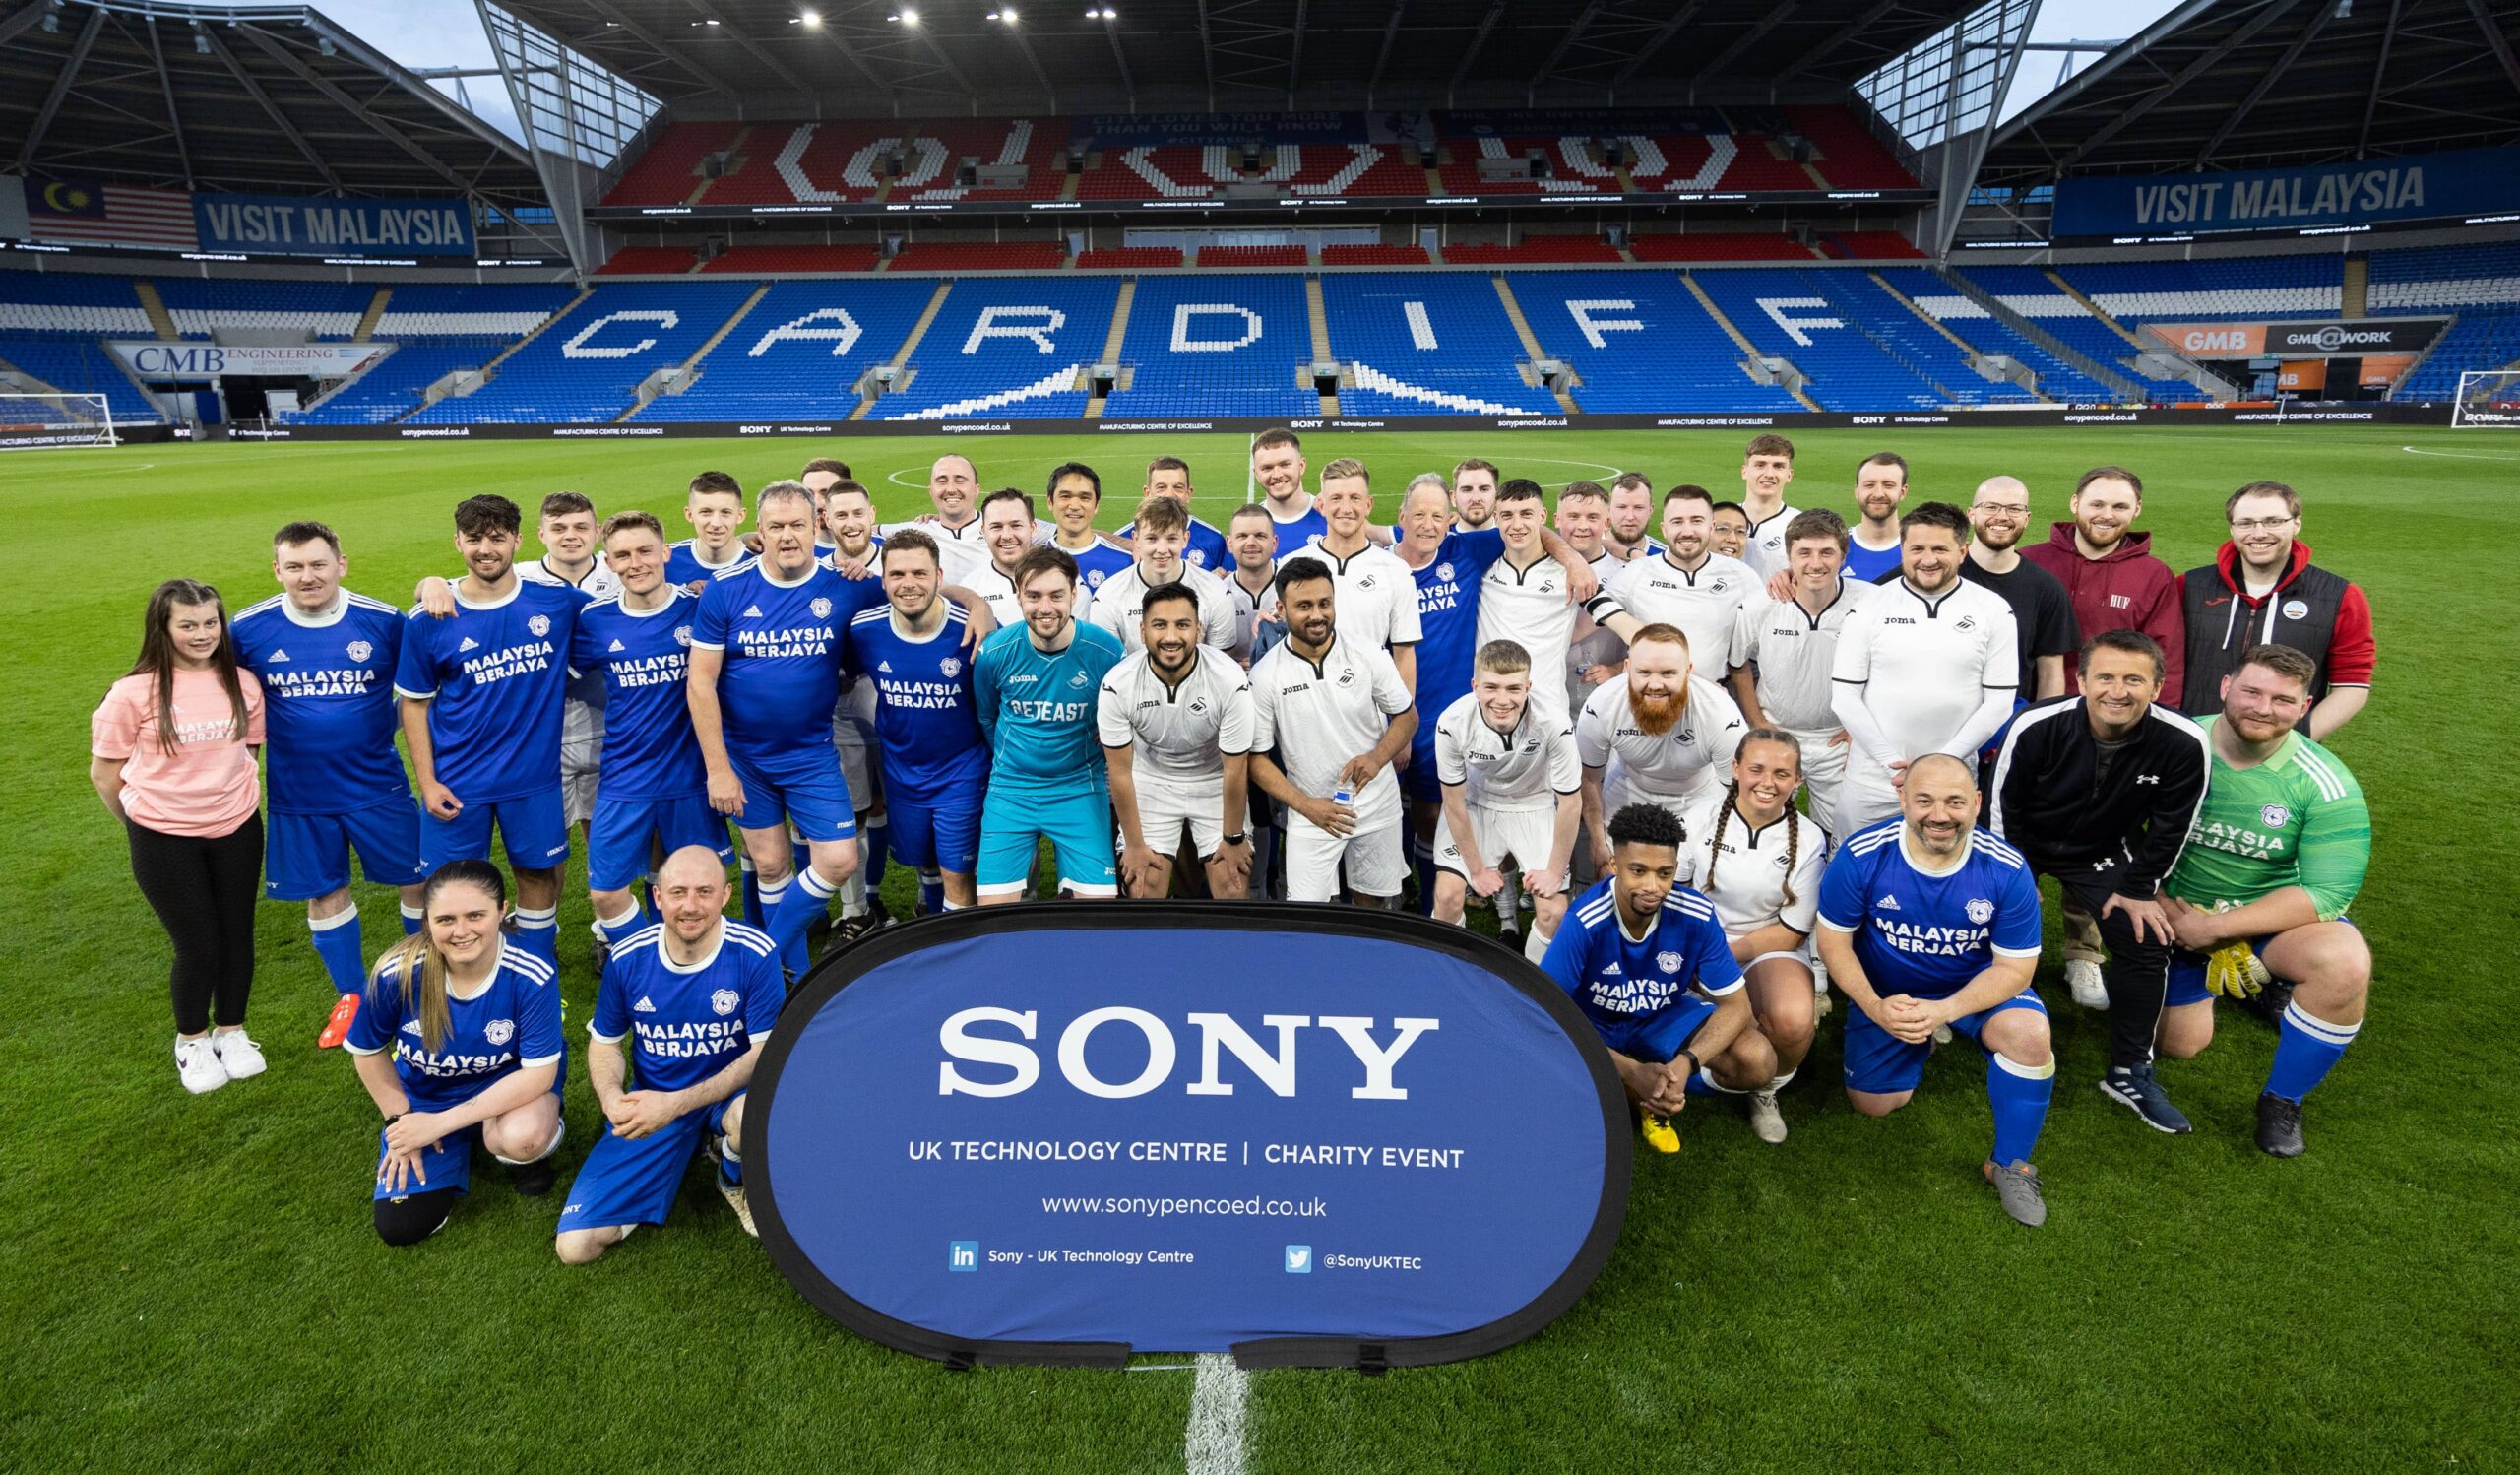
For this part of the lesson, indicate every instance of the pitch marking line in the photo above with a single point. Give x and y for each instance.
(1213, 1444)
(2454, 455)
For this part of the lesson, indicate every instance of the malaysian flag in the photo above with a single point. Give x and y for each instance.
(69, 210)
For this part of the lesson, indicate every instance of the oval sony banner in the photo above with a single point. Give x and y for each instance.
(1308, 1136)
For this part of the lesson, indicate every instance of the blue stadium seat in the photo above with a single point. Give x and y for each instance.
(587, 368)
(1859, 350)
(1212, 343)
(325, 311)
(76, 367)
(70, 304)
(2257, 287)
(797, 353)
(2480, 283)
(2056, 379)
(1426, 343)
(1640, 342)
(1008, 346)
(2028, 290)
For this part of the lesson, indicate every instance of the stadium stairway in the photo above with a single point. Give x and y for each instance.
(909, 341)
(2211, 385)
(1969, 350)
(1750, 352)
(2114, 380)
(508, 351)
(687, 372)
(2355, 301)
(1112, 345)
(155, 305)
(366, 332)
(1319, 317)
(1531, 339)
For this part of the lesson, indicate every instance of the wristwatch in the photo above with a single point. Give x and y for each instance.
(1237, 837)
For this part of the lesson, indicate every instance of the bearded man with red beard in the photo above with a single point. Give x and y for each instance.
(1662, 736)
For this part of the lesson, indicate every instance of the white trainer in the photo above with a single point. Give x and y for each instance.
(238, 1056)
(2082, 976)
(197, 1066)
(1767, 1123)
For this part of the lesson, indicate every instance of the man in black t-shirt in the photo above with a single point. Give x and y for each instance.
(2041, 611)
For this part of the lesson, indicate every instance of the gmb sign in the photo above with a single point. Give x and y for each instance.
(1303, 1135)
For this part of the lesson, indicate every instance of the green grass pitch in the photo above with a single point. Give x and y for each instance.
(193, 1283)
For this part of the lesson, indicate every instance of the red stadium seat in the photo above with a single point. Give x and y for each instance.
(982, 256)
(1131, 258)
(648, 261)
(1538, 250)
(1243, 256)
(771, 260)
(1719, 245)
(1376, 255)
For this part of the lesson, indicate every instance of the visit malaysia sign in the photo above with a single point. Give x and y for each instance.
(1305, 1135)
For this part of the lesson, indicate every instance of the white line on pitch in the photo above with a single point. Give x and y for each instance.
(1213, 1444)
(2454, 455)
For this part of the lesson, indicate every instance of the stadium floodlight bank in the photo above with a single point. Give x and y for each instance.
(44, 422)
(2489, 399)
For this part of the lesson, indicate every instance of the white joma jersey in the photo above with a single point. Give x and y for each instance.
(1746, 869)
(1528, 606)
(1674, 765)
(1796, 654)
(1178, 733)
(1702, 601)
(1522, 770)
(1917, 674)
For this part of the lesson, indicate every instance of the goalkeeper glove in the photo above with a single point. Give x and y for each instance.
(2232, 971)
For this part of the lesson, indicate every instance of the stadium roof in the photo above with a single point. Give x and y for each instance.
(250, 99)
(867, 57)
(2259, 84)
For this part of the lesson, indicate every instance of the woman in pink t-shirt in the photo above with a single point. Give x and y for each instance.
(173, 747)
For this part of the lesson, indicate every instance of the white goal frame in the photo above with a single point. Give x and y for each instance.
(56, 427)
(2487, 400)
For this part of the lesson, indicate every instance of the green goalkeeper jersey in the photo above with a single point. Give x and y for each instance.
(2297, 819)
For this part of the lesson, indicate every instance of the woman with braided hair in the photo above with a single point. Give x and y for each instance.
(1759, 861)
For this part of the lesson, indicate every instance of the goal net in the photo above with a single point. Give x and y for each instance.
(33, 422)
(2487, 399)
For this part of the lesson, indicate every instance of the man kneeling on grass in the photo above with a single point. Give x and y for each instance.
(699, 993)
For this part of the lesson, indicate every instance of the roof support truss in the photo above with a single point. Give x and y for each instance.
(174, 120)
(61, 86)
(271, 109)
(2273, 11)
(2320, 15)
(2491, 30)
(1662, 38)
(2379, 71)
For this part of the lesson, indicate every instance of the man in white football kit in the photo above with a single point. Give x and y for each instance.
(1632, 518)
(1929, 666)
(1008, 532)
(1512, 793)
(1690, 586)
(1250, 576)
(1377, 593)
(1338, 713)
(954, 491)
(1164, 533)
(571, 555)
(1533, 596)
(1747, 850)
(1785, 653)
(1661, 736)
(1766, 469)
(1176, 723)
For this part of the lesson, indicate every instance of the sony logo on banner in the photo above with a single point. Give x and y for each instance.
(1218, 1033)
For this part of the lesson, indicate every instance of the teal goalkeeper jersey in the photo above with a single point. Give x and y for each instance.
(1038, 707)
(2297, 819)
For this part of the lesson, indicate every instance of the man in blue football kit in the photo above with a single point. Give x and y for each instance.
(716, 512)
(1037, 685)
(765, 677)
(1169, 476)
(652, 795)
(1645, 958)
(482, 694)
(326, 659)
(927, 727)
(1926, 920)
(687, 1005)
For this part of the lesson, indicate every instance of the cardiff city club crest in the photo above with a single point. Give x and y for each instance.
(499, 1031)
(358, 649)
(948, 668)
(725, 1000)
(1980, 910)
(539, 624)
(2276, 816)
(682, 634)
(1668, 961)
(1444, 571)
(821, 608)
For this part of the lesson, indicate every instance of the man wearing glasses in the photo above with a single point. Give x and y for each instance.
(2262, 589)
(2042, 611)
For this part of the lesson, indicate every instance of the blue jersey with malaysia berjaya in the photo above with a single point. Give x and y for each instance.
(641, 657)
(494, 675)
(925, 716)
(511, 1024)
(1448, 619)
(683, 565)
(782, 641)
(1922, 932)
(1617, 979)
(682, 1025)
(327, 690)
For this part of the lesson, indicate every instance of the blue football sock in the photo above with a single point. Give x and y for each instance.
(337, 942)
(932, 892)
(807, 898)
(412, 920)
(1704, 1083)
(2019, 1095)
(618, 929)
(537, 932)
(2307, 1049)
(756, 910)
(875, 836)
(731, 1164)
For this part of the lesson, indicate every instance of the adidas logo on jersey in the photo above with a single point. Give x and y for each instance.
(1887, 903)
(644, 1005)
(280, 655)
(884, 667)
(616, 645)
(752, 611)
(1609, 969)
(411, 1027)
(469, 644)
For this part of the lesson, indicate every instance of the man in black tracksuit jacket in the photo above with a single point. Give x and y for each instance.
(2099, 790)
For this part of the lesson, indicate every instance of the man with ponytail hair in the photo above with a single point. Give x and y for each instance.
(473, 1024)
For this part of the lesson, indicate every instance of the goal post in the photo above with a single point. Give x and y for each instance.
(39, 422)
(2487, 399)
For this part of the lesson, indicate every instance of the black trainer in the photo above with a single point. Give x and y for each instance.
(2134, 1088)
(1510, 939)
(2279, 1126)
(535, 1179)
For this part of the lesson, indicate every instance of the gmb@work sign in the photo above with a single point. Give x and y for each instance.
(1305, 1134)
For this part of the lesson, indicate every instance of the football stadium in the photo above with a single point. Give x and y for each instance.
(1371, 685)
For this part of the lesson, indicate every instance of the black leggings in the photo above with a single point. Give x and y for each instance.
(203, 891)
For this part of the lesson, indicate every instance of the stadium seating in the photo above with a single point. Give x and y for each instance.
(1375, 255)
(1129, 258)
(1846, 153)
(76, 367)
(667, 170)
(1535, 251)
(2479, 283)
(1856, 348)
(1641, 343)
(1962, 314)
(2028, 290)
(771, 261)
(1719, 245)
(1426, 343)
(322, 310)
(391, 389)
(587, 368)
(982, 256)
(70, 304)
(1215, 345)
(1008, 346)
(1251, 256)
(444, 310)
(649, 261)
(799, 354)
(2269, 286)
(1315, 170)
(1870, 245)
(1573, 166)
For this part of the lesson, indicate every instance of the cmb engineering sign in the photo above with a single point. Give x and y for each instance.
(1063, 1134)
(2352, 338)
(200, 360)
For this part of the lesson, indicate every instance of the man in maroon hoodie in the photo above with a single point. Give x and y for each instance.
(2110, 571)
(2261, 589)
(2116, 584)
